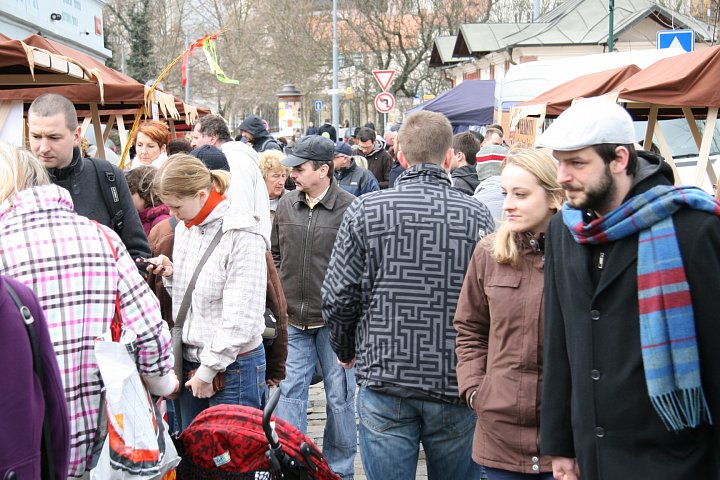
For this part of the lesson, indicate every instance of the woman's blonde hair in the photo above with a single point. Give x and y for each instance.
(183, 175)
(270, 163)
(19, 170)
(544, 168)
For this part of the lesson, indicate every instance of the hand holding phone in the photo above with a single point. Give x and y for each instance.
(160, 265)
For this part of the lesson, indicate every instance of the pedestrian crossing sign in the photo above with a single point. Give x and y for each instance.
(684, 39)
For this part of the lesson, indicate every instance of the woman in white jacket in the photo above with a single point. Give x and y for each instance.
(222, 333)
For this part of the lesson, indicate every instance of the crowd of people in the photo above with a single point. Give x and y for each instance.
(519, 313)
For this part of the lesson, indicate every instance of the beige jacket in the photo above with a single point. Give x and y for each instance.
(499, 348)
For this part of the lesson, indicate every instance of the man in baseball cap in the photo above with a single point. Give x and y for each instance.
(303, 234)
(630, 387)
(351, 176)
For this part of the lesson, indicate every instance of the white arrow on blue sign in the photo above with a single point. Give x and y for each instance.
(318, 105)
(684, 39)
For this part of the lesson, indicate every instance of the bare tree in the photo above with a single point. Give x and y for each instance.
(400, 34)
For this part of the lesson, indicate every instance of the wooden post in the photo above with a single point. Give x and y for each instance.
(98, 132)
(704, 167)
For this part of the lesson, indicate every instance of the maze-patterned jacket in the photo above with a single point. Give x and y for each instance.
(394, 279)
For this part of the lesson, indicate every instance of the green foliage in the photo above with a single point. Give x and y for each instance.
(140, 61)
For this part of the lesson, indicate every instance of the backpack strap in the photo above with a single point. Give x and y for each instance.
(47, 464)
(106, 174)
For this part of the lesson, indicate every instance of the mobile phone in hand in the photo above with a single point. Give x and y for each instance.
(147, 262)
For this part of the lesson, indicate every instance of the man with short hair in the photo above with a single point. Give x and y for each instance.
(257, 135)
(247, 186)
(462, 168)
(304, 230)
(630, 386)
(493, 136)
(379, 160)
(329, 129)
(389, 298)
(94, 185)
(350, 176)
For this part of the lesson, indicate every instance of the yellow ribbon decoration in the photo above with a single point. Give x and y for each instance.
(211, 55)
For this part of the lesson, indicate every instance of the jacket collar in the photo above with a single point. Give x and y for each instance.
(75, 166)
(34, 199)
(328, 201)
(343, 172)
(424, 172)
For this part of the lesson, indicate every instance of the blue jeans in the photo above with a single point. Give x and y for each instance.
(244, 385)
(305, 349)
(391, 429)
(497, 474)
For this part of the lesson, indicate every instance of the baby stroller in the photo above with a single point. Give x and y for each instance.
(237, 442)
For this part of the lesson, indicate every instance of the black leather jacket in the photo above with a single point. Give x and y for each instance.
(302, 241)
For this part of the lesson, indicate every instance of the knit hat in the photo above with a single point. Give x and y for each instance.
(212, 157)
(588, 122)
(491, 153)
(488, 160)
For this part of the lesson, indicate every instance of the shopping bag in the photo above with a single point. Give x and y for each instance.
(138, 444)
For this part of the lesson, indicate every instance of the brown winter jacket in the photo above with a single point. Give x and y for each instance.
(499, 319)
(380, 163)
(276, 354)
(161, 240)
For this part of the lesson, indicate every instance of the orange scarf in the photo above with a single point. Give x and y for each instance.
(213, 200)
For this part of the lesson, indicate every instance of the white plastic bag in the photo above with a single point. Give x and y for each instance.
(138, 445)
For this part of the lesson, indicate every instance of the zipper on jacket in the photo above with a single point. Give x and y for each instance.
(305, 267)
(601, 261)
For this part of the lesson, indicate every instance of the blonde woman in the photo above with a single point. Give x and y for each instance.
(499, 320)
(67, 261)
(222, 332)
(275, 174)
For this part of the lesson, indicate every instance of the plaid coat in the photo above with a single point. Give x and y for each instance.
(68, 263)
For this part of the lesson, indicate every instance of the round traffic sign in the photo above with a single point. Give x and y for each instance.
(384, 102)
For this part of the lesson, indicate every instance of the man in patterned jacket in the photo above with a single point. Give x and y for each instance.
(389, 298)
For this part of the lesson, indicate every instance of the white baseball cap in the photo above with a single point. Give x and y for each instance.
(592, 121)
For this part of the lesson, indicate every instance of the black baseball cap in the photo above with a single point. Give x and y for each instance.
(311, 147)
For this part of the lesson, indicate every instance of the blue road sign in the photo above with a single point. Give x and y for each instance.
(684, 39)
(318, 105)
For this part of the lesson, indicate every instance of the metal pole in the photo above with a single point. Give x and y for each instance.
(611, 11)
(536, 9)
(335, 102)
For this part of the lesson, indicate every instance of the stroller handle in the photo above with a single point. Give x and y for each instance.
(268, 428)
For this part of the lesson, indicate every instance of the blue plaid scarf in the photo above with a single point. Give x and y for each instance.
(667, 323)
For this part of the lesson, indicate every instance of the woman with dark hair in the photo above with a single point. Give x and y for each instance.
(150, 208)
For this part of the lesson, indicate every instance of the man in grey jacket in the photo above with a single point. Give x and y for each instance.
(304, 229)
(389, 300)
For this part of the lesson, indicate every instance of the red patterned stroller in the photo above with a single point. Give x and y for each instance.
(236, 442)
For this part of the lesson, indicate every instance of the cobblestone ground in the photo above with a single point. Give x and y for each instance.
(316, 424)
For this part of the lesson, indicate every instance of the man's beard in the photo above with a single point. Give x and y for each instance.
(598, 195)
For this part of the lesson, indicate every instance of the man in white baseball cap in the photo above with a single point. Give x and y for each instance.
(628, 390)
